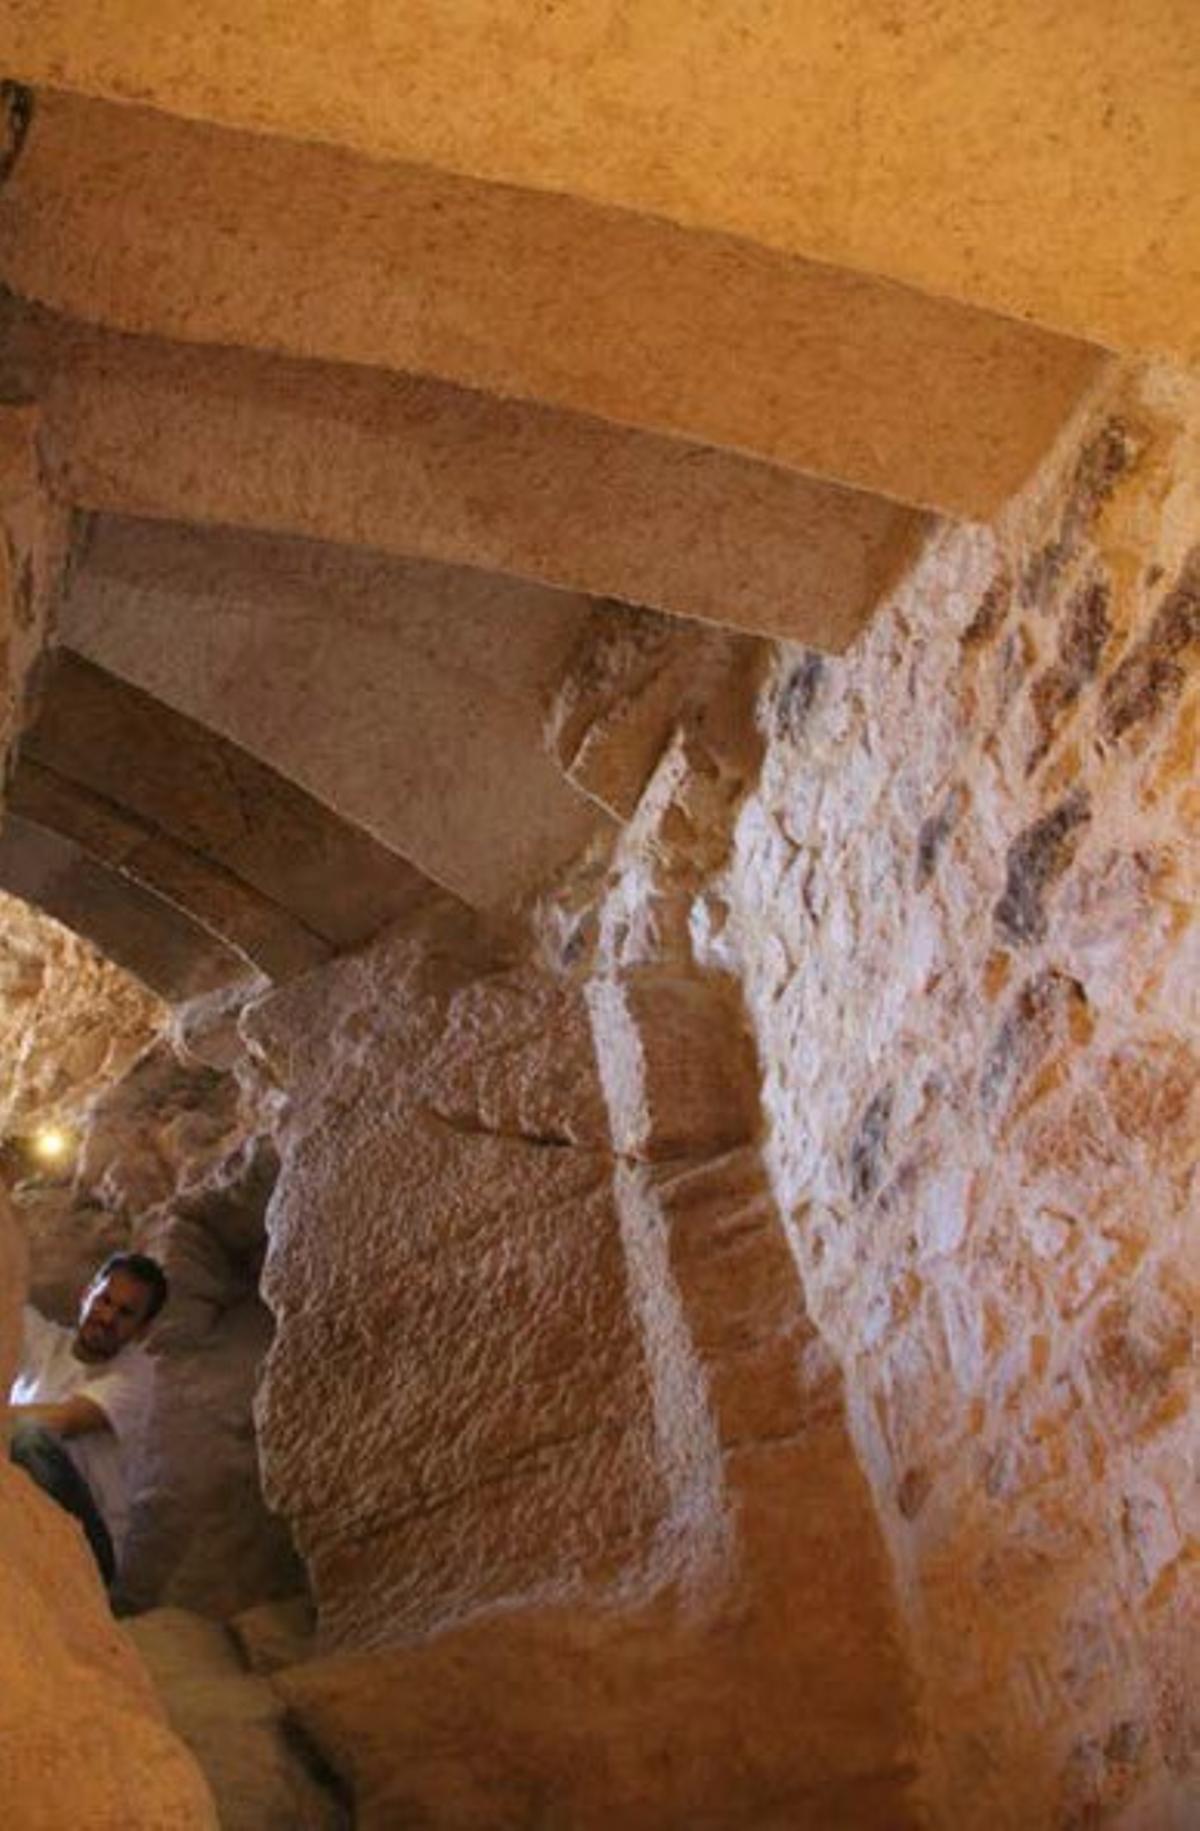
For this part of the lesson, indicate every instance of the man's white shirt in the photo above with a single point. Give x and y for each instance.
(50, 1373)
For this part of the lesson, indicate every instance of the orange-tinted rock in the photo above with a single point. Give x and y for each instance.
(551, 1423)
(234, 1725)
(70, 1022)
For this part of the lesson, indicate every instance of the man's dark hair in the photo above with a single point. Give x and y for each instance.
(146, 1270)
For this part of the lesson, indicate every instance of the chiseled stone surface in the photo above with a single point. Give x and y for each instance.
(644, 1718)
(404, 696)
(172, 804)
(569, 1467)
(143, 933)
(879, 140)
(964, 897)
(768, 1665)
(419, 468)
(633, 679)
(83, 1735)
(232, 1720)
(109, 215)
(454, 1411)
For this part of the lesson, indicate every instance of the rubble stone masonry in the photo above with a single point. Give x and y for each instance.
(963, 898)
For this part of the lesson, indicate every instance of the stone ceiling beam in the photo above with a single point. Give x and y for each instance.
(198, 821)
(1033, 158)
(150, 224)
(406, 697)
(210, 898)
(144, 933)
(410, 466)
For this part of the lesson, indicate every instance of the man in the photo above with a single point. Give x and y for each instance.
(80, 1398)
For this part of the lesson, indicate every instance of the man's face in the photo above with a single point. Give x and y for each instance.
(112, 1314)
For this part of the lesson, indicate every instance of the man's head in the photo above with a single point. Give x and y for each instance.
(119, 1305)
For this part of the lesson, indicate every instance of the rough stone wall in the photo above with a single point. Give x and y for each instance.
(33, 547)
(70, 1022)
(572, 1473)
(963, 899)
(454, 1411)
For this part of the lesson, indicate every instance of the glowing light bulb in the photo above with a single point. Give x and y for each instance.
(50, 1144)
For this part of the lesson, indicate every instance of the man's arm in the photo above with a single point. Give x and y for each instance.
(73, 1417)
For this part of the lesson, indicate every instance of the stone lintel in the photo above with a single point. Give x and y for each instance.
(407, 698)
(211, 898)
(139, 931)
(198, 819)
(1039, 160)
(416, 467)
(150, 224)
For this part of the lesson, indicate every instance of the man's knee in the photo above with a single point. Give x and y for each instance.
(46, 1460)
(41, 1454)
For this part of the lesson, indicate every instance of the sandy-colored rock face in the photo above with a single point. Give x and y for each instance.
(640, 1485)
(571, 1475)
(69, 1021)
(957, 890)
(1036, 159)
(456, 1379)
(964, 897)
(233, 1721)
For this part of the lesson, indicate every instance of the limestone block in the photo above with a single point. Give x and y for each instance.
(405, 697)
(215, 901)
(454, 1412)
(670, 1091)
(771, 1671)
(449, 1387)
(233, 1723)
(865, 146)
(109, 215)
(176, 807)
(144, 934)
(595, 1721)
(633, 679)
(419, 469)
